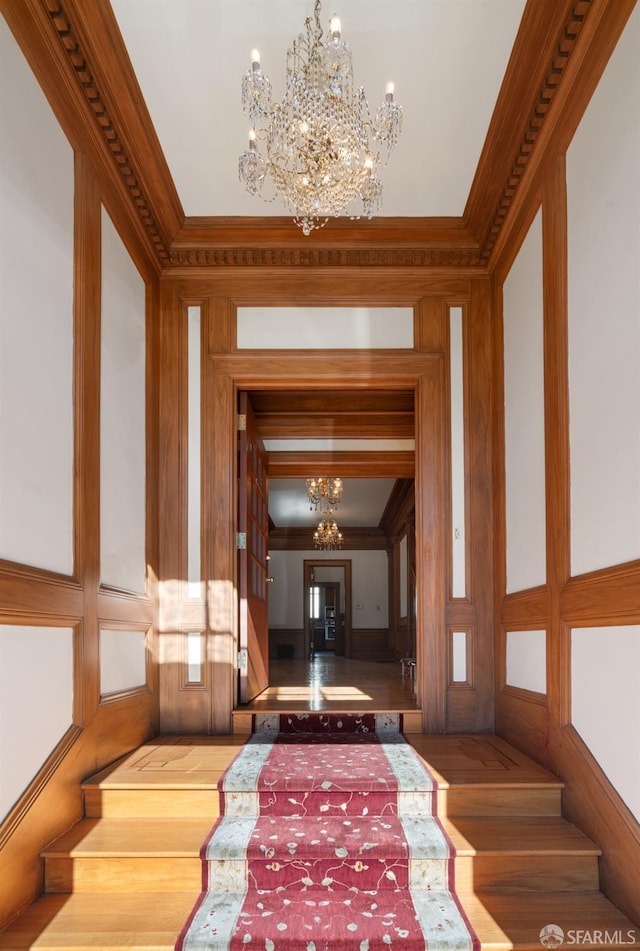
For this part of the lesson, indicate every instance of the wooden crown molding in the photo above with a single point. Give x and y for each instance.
(97, 59)
(547, 38)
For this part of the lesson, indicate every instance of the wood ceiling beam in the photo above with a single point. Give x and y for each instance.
(348, 465)
(313, 426)
(355, 539)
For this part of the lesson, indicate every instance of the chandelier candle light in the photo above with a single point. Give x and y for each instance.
(327, 535)
(325, 493)
(323, 150)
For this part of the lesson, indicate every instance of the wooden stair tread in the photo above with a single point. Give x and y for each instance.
(171, 763)
(102, 922)
(479, 760)
(153, 921)
(116, 837)
(522, 835)
(518, 918)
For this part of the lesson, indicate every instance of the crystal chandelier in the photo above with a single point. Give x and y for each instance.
(327, 535)
(325, 493)
(323, 151)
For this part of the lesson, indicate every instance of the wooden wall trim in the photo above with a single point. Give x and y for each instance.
(557, 61)
(58, 39)
(300, 539)
(546, 40)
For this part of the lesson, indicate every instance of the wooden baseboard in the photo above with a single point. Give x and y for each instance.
(589, 799)
(53, 802)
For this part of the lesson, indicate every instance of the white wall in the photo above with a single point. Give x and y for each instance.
(122, 660)
(320, 328)
(603, 188)
(605, 702)
(527, 660)
(122, 417)
(36, 702)
(603, 185)
(369, 578)
(36, 323)
(524, 416)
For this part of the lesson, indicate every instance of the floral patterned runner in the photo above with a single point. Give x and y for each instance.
(327, 840)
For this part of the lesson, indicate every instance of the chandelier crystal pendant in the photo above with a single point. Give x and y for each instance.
(327, 535)
(323, 150)
(326, 493)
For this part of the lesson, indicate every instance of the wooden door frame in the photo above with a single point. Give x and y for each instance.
(308, 565)
(224, 375)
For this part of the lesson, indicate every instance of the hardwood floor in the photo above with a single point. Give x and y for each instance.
(334, 683)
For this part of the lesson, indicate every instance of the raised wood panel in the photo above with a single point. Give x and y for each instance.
(477, 364)
(339, 415)
(608, 596)
(200, 233)
(556, 389)
(370, 644)
(322, 287)
(31, 594)
(430, 528)
(219, 515)
(524, 607)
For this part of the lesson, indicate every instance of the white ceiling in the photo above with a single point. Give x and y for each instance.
(362, 505)
(446, 58)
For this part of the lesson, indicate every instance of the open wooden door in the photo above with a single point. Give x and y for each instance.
(253, 527)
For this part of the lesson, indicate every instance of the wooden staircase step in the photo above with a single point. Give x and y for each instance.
(141, 922)
(169, 776)
(104, 922)
(514, 799)
(133, 802)
(515, 919)
(481, 775)
(126, 854)
(542, 853)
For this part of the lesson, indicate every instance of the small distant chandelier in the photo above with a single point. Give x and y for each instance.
(327, 535)
(323, 150)
(325, 493)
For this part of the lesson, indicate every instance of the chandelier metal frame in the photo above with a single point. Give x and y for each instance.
(323, 149)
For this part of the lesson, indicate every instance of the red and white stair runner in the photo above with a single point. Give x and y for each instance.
(328, 839)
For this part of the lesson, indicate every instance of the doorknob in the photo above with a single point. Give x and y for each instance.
(269, 580)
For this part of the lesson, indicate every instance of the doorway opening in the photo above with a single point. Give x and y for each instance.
(327, 615)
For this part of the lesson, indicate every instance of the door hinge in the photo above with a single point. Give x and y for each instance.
(241, 541)
(242, 422)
